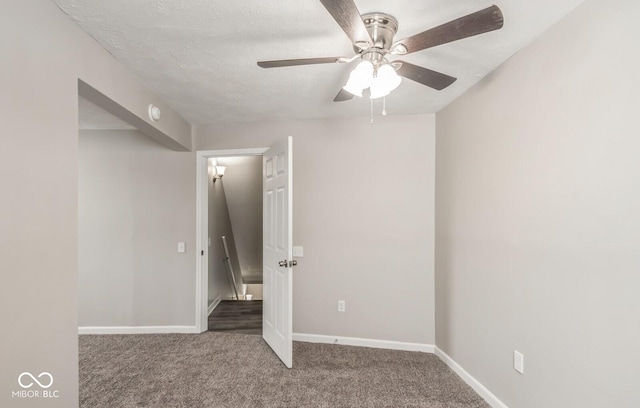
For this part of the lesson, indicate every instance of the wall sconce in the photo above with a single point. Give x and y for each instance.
(219, 172)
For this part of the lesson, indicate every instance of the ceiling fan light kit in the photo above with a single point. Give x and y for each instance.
(374, 71)
(372, 37)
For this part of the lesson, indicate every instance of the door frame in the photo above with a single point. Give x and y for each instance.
(202, 224)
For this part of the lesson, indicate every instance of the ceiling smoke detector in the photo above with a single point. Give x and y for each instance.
(154, 113)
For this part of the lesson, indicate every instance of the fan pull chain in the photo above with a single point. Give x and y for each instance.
(384, 106)
(371, 121)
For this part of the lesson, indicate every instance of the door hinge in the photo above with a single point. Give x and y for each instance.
(202, 252)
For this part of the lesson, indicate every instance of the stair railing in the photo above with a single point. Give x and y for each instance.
(227, 263)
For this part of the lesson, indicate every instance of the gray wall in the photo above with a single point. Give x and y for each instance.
(43, 55)
(243, 189)
(219, 225)
(134, 206)
(363, 210)
(537, 223)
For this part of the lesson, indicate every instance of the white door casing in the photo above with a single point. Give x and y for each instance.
(277, 324)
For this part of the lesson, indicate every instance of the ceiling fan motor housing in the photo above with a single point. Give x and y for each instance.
(382, 28)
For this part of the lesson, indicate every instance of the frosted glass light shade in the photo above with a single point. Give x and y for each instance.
(385, 81)
(360, 78)
(220, 170)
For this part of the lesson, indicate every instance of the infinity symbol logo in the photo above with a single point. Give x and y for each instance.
(34, 379)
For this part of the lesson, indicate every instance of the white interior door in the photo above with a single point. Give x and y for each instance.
(277, 326)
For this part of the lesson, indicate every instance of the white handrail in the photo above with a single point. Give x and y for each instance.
(227, 262)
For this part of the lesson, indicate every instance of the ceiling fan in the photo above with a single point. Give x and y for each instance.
(372, 38)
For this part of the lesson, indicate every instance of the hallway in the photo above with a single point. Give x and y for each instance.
(237, 316)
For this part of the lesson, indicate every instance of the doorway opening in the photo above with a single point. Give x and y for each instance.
(133, 208)
(234, 227)
(219, 276)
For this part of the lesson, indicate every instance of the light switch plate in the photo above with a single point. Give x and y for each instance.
(518, 361)
(298, 251)
(182, 247)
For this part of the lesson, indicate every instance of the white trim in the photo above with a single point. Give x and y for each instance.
(254, 151)
(470, 380)
(355, 341)
(213, 305)
(202, 219)
(136, 329)
(202, 282)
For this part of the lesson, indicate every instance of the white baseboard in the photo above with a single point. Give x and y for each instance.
(214, 304)
(355, 341)
(136, 329)
(470, 380)
(398, 345)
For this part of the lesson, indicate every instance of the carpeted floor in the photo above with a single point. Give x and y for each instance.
(237, 370)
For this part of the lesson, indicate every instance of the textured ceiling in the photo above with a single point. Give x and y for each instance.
(200, 55)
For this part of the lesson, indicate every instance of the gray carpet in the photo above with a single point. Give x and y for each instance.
(237, 370)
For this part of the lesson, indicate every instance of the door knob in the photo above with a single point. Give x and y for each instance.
(283, 263)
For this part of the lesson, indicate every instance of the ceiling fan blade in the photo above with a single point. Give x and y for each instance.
(424, 76)
(343, 96)
(301, 61)
(476, 23)
(348, 18)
